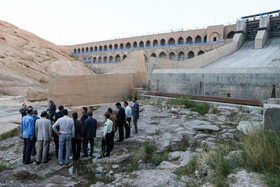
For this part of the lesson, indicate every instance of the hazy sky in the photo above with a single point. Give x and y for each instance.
(79, 21)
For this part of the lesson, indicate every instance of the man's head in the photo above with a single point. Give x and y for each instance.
(44, 114)
(65, 112)
(30, 107)
(84, 110)
(118, 105)
(29, 111)
(107, 115)
(24, 105)
(61, 108)
(50, 102)
(110, 111)
(35, 112)
(75, 115)
(125, 104)
(134, 99)
(89, 114)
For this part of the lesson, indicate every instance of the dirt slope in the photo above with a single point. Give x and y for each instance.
(27, 60)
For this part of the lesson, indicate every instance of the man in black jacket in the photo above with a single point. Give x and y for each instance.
(120, 121)
(90, 127)
(23, 110)
(85, 115)
(51, 110)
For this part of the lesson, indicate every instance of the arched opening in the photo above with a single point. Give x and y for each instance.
(230, 35)
(190, 54)
(214, 37)
(148, 43)
(198, 39)
(99, 59)
(94, 59)
(86, 49)
(121, 46)
(110, 47)
(155, 43)
(180, 41)
(75, 50)
(89, 59)
(100, 48)
(141, 44)
(172, 55)
(205, 39)
(105, 47)
(95, 48)
(91, 49)
(200, 52)
(162, 55)
(116, 46)
(181, 55)
(111, 59)
(171, 41)
(79, 50)
(153, 55)
(128, 45)
(162, 42)
(189, 40)
(105, 59)
(124, 57)
(117, 58)
(134, 44)
(83, 50)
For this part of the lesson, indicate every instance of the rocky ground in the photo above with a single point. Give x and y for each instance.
(171, 139)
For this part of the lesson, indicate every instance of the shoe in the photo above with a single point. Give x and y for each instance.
(100, 157)
(67, 164)
(84, 156)
(90, 155)
(49, 159)
(27, 163)
(119, 140)
(45, 162)
(59, 164)
(107, 155)
(38, 163)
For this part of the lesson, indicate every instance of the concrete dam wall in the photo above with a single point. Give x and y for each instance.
(250, 83)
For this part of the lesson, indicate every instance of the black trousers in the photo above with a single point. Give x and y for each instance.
(85, 144)
(76, 148)
(121, 132)
(106, 144)
(33, 150)
(112, 140)
(127, 128)
(27, 147)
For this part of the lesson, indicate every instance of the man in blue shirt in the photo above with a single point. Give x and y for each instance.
(135, 114)
(27, 131)
(35, 117)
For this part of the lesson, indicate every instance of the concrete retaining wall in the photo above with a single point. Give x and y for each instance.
(251, 83)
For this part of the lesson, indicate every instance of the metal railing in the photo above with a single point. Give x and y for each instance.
(101, 62)
(175, 59)
(256, 17)
(152, 47)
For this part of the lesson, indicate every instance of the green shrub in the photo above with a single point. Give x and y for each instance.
(202, 108)
(158, 158)
(149, 147)
(182, 101)
(10, 134)
(189, 169)
(272, 179)
(4, 167)
(215, 111)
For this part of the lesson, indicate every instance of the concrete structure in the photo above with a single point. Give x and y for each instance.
(263, 33)
(272, 118)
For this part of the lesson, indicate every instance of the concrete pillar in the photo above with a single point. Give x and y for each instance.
(263, 33)
(241, 33)
(272, 118)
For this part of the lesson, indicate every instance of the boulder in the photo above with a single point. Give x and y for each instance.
(36, 94)
(208, 128)
(167, 165)
(243, 178)
(272, 118)
(247, 126)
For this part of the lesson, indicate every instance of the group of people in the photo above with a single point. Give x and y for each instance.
(67, 131)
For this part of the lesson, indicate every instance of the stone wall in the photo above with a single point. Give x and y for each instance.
(251, 83)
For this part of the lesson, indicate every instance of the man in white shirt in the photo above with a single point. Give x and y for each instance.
(106, 138)
(128, 113)
(65, 135)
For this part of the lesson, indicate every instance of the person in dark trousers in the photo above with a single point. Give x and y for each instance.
(23, 110)
(135, 114)
(79, 133)
(90, 127)
(58, 115)
(27, 131)
(128, 113)
(106, 136)
(113, 118)
(35, 117)
(85, 115)
(51, 110)
(120, 121)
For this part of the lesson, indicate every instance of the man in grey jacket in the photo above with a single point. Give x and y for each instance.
(65, 135)
(43, 131)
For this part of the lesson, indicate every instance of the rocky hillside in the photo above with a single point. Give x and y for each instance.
(27, 60)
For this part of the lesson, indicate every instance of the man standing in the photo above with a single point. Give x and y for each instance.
(106, 144)
(128, 113)
(23, 110)
(135, 113)
(35, 117)
(120, 121)
(43, 131)
(27, 131)
(65, 134)
(114, 120)
(51, 110)
(58, 115)
(90, 127)
(85, 115)
(79, 133)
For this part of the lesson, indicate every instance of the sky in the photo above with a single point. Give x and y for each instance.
(68, 22)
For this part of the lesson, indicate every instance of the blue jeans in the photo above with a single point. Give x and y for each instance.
(135, 125)
(27, 150)
(64, 139)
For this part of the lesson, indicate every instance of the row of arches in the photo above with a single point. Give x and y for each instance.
(105, 59)
(181, 55)
(171, 41)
